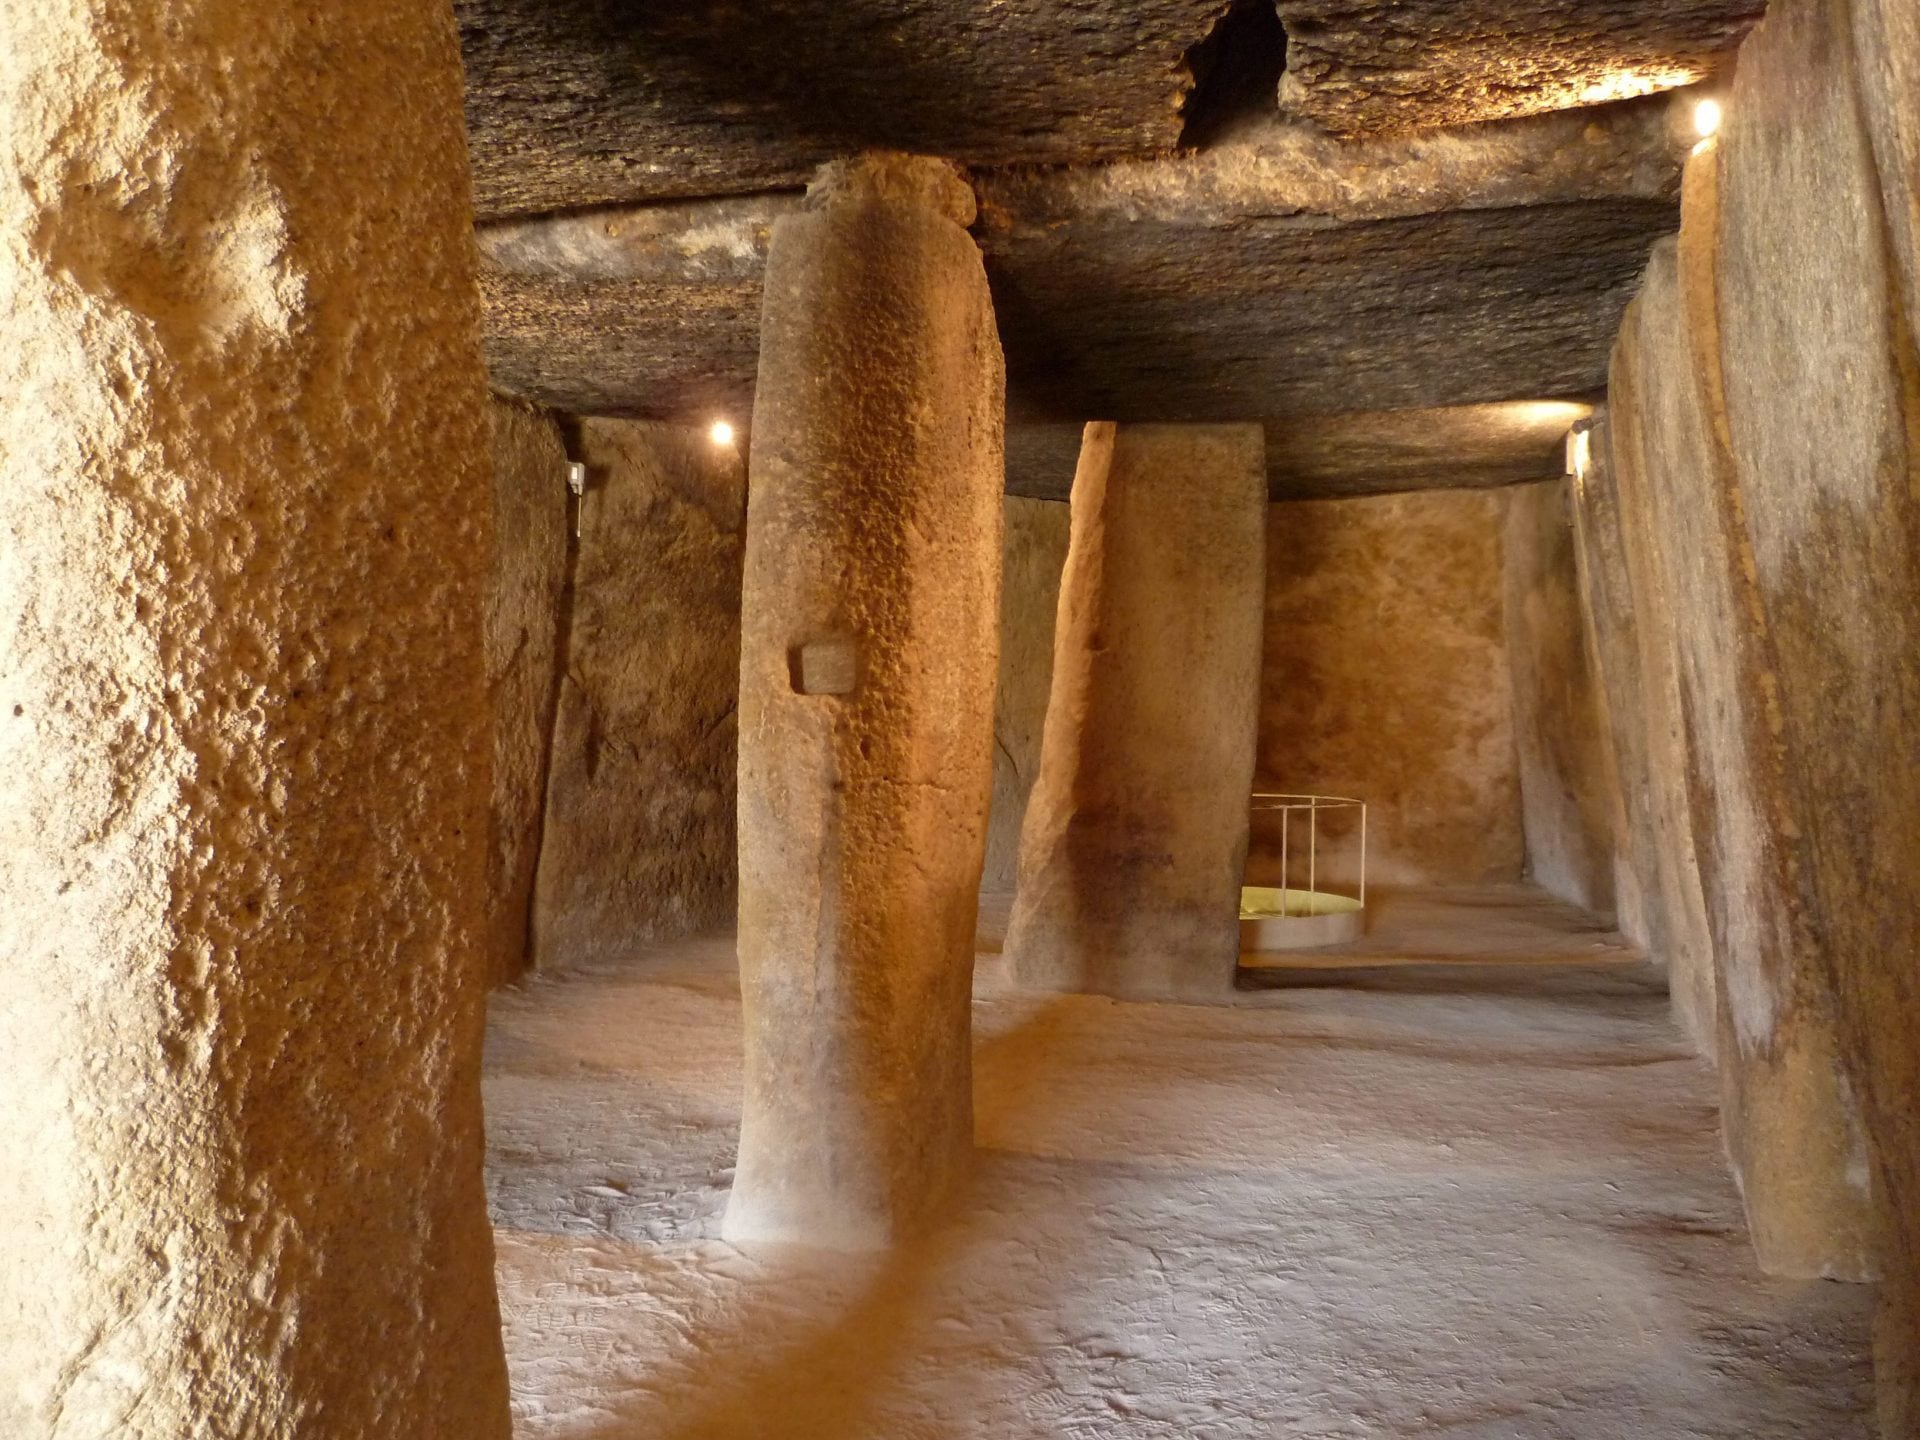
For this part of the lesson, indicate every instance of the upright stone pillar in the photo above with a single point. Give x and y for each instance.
(1136, 832)
(243, 727)
(867, 664)
(1791, 1120)
(1817, 325)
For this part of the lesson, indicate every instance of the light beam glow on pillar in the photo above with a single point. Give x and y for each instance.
(1706, 118)
(721, 434)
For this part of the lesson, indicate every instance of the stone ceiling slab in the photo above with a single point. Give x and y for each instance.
(576, 103)
(1367, 453)
(1283, 274)
(1157, 320)
(1378, 67)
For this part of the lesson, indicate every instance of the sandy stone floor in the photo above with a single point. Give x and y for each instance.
(1462, 1200)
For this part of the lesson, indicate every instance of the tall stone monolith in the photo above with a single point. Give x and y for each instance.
(1818, 289)
(244, 731)
(1619, 497)
(867, 664)
(1569, 796)
(1136, 831)
(1791, 1120)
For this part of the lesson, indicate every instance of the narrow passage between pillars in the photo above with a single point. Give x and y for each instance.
(1136, 834)
(869, 646)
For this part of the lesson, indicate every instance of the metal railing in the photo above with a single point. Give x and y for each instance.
(1269, 801)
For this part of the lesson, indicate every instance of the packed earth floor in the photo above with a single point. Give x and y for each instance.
(1447, 1200)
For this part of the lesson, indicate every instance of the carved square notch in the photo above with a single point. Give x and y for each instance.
(829, 666)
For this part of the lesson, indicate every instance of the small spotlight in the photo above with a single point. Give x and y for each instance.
(721, 434)
(1579, 451)
(1706, 118)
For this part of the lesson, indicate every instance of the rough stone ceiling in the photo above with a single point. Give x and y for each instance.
(630, 159)
(586, 102)
(1380, 67)
(1365, 453)
(577, 103)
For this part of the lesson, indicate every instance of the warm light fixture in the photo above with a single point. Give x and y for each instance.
(1579, 451)
(721, 433)
(1706, 118)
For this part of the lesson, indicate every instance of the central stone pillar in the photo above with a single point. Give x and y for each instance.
(869, 643)
(1136, 834)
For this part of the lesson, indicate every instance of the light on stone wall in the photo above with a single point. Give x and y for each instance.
(721, 434)
(1706, 118)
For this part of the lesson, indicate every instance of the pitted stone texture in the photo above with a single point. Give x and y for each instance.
(523, 626)
(1823, 409)
(1792, 1125)
(1568, 791)
(1386, 680)
(1361, 67)
(244, 734)
(639, 837)
(1035, 555)
(874, 517)
(1136, 830)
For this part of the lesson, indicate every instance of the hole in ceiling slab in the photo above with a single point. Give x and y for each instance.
(1236, 72)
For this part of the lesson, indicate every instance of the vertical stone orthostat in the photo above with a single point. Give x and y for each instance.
(1818, 281)
(524, 590)
(1568, 792)
(1792, 1124)
(1619, 498)
(869, 642)
(1136, 831)
(244, 727)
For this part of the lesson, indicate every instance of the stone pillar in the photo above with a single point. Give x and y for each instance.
(866, 704)
(1136, 832)
(243, 727)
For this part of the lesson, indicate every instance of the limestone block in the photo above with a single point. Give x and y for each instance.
(599, 101)
(1613, 637)
(1886, 35)
(1386, 679)
(523, 623)
(244, 728)
(874, 516)
(1680, 935)
(1136, 831)
(1822, 408)
(1034, 556)
(1361, 67)
(1567, 784)
(639, 835)
(1792, 1127)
